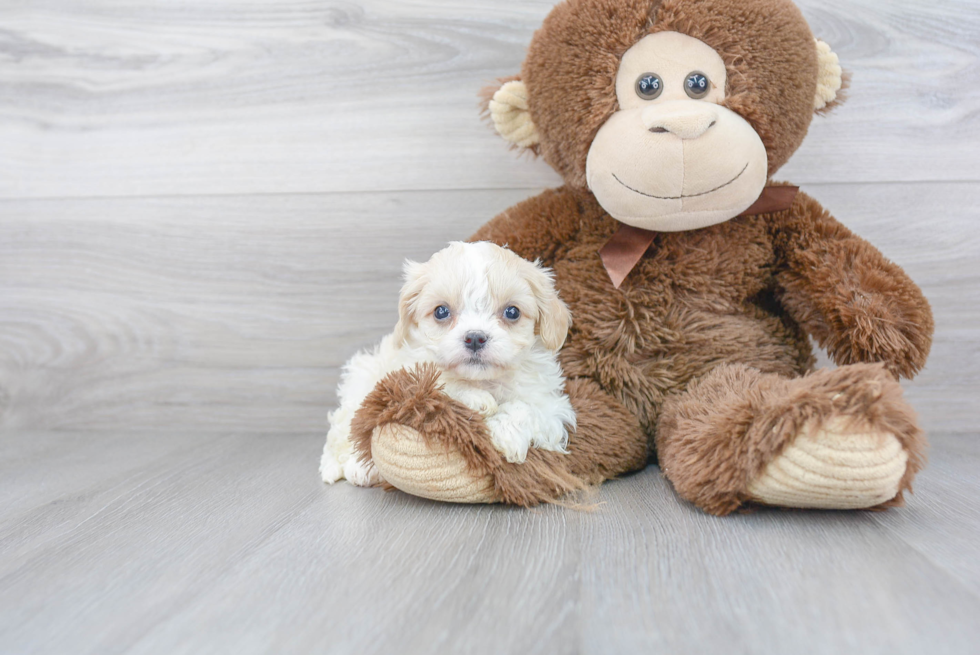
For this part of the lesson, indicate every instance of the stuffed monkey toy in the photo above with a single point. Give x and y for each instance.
(694, 280)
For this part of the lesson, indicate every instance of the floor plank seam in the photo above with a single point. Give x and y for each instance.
(422, 190)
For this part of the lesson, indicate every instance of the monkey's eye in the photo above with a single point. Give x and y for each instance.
(512, 313)
(697, 85)
(441, 313)
(649, 86)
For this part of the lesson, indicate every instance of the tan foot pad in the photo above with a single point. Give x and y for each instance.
(406, 462)
(833, 467)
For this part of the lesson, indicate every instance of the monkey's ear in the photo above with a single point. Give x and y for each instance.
(508, 111)
(831, 79)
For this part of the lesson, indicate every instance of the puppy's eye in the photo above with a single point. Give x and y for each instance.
(697, 85)
(512, 313)
(649, 86)
(441, 313)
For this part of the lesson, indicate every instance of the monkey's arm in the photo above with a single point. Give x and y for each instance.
(843, 291)
(537, 227)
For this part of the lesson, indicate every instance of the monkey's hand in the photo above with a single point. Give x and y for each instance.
(856, 303)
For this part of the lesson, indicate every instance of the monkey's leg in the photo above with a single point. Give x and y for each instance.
(428, 445)
(834, 439)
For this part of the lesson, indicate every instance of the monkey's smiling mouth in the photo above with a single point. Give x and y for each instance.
(692, 195)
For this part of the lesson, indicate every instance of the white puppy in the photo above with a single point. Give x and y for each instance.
(491, 322)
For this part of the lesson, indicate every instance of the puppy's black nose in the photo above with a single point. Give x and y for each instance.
(475, 340)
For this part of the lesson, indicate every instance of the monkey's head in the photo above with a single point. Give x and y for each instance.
(673, 113)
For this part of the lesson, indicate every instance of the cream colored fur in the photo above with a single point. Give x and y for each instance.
(411, 465)
(510, 116)
(833, 466)
(675, 162)
(515, 381)
(830, 79)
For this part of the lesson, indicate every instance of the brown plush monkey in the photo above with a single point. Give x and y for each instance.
(693, 279)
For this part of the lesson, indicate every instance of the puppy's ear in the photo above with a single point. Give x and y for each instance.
(554, 319)
(414, 283)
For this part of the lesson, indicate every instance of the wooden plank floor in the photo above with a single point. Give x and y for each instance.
(204, 208)
(177, 543)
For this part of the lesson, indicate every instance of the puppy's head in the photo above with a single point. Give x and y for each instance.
(478, 309)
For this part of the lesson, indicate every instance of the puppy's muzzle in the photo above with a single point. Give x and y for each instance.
(475, 340)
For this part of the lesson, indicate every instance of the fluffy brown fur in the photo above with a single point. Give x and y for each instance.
(570, 73)
(719, 434)
(730, 294)
(414, 399)
(702, 354)
(856, 304)
(570, 70)
(774, 93)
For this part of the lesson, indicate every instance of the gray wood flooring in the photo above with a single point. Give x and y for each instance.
(174, 543)
(204, 208)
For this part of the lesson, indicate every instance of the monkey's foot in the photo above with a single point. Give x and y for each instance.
(833, 466)
(834, 439)
(407, 462)
(427, 444)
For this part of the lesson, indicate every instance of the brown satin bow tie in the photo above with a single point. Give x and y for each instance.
(622, 252)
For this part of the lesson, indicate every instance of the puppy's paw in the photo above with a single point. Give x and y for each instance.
(331, 469)
(337, 449)
(552, 434)
(480, 401)
(362, 474)
(510, 434)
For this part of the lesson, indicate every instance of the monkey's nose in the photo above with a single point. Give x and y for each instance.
(475, 340)
(687, 119)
